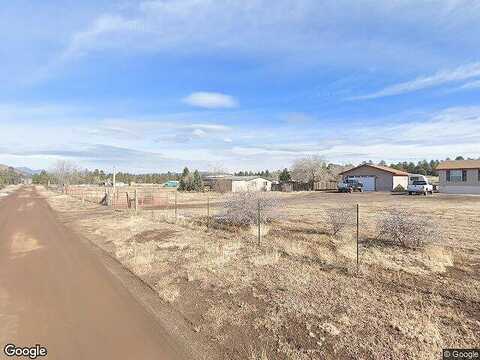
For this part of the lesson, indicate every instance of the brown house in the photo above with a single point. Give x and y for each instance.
(459, 176)
(376, 177)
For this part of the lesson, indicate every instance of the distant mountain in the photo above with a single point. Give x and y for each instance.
(23, 171)
(27, 171)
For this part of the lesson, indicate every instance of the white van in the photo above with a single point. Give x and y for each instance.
(416, 177)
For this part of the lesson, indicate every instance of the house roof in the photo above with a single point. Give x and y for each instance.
(459, 164)
(378, 167)
(235, 178)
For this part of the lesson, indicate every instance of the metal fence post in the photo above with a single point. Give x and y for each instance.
(258, 221)
(358, 220)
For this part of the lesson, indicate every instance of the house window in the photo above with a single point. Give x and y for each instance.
(456, 175)
(478, 175)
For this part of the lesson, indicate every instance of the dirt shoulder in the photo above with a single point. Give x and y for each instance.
(298, 295)
(192, 345)
(56, 292)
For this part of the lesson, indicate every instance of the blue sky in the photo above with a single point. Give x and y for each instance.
(156, 85)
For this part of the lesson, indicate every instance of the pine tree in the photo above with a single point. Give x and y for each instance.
(285, 175)
(197, 181)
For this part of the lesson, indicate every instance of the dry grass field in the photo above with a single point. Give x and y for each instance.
(299, 295)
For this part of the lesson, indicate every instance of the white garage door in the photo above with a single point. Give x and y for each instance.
(367, 181)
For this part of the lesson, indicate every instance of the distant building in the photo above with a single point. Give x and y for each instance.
(376, 177)
(228, 183)
(172, 184)
(459, 176)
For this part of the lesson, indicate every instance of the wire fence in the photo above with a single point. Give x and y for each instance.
(361, 221)
(125, 197)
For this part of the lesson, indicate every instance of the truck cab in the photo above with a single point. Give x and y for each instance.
(420, 187)
(350, 185)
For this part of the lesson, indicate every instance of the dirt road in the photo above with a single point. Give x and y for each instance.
(55, 291)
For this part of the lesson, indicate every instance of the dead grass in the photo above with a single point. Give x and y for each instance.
(298, 295)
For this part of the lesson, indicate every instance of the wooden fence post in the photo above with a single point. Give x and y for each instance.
(136, 201)
(208, 212)
(176, 206)
(83, 197)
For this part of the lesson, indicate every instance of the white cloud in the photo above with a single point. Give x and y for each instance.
(157, 145)
(470, 85)
(441, 134)
(211, 100)
(442, 77)
(208, 127)
(199, 133)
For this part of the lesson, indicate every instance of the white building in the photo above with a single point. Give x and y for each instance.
(227, 183)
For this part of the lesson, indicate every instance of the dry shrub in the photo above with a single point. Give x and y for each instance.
(403, 228)
(245, 208)
(399, 189)
(338, 219)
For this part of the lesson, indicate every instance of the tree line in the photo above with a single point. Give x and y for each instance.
(67, 173)
(423, 167)
(307, 170)
(9, 176)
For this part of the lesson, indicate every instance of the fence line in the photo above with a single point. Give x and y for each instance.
(204, 208)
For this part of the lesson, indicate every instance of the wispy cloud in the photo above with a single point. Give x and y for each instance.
(422, 137)
(211, 100)
(442, 77)
(102, 33)
(470, 85)
(317, 29)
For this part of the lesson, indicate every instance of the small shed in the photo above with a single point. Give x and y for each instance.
(237, 183)
(377, 177)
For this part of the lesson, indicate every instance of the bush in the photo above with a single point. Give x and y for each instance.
(404, 229)
(242, 208)
(399, 188)
(338, 219)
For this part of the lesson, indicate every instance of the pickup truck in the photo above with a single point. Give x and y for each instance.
(349, 185)
(420, 187)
